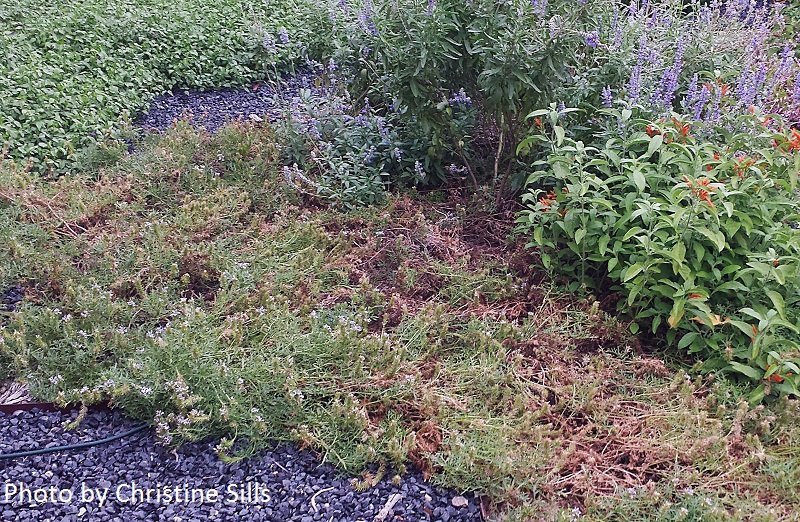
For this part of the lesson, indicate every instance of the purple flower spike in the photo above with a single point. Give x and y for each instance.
(608, 97)
(593, 39)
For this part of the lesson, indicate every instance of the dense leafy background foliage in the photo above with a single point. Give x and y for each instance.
(73, 68)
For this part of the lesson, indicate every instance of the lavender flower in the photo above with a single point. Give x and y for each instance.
(616, 28)
(418, 170)
(796, 91)
(713, 112)
(691, 91)
(665, 92)
(634, 83)
(593, 39)
(702, 99)
(431, 7)
(269, 43)
(365, 17)
(460, 98)
(607, 96)
(539, 7)
(283, 35)
(784, 69)
(370, 154)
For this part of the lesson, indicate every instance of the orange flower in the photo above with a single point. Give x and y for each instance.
(695, 296)
(716, 156)
(683, 128)
(775, 378)
(709, 167)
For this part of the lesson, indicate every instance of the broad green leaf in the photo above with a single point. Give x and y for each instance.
(746, 370)
(602, 244)
(638, 180)
(559, 130)
(777, 302)
(687, 339)
(718, 238)
(676, 314)
(655, 144)
(632, 271)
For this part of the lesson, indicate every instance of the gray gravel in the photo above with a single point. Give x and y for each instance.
(62, 484)
(214, 109)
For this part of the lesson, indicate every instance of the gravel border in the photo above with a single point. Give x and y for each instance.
(280, 484)
(213, 109)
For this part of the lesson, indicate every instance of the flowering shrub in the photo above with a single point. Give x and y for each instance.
(668, 56)
(350, 156)
(695, 226)
(428, 61)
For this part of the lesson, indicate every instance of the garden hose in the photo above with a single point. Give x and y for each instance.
(73, 446)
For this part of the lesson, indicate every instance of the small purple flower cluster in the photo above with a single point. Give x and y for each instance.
(283, 35)
(539, 7)
(607, 97)
(634, 83)
(365, 18)
(593, 39)
(460, 98)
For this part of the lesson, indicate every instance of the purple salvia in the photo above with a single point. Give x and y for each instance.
(633, 8)
(616, 28)
(691, 91)
(713, 112)
(634, 84)
(539, 7)
(608, 97)
(283, 35)
(702, 99)
(593, 39)
(742, 83)
(758, 82)
(431, 7)
(785, 66)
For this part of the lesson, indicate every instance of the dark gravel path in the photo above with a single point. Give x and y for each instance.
(64, 486)
(215, 108)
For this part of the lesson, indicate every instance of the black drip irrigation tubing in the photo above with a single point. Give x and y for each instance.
(74, 446)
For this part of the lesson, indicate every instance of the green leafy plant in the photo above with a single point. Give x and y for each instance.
(73, 68)
(697, 234)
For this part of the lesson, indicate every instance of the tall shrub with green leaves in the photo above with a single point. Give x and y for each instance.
(508, 57)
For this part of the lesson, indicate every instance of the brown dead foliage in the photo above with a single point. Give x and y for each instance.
(604, 441)
(201, 279)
